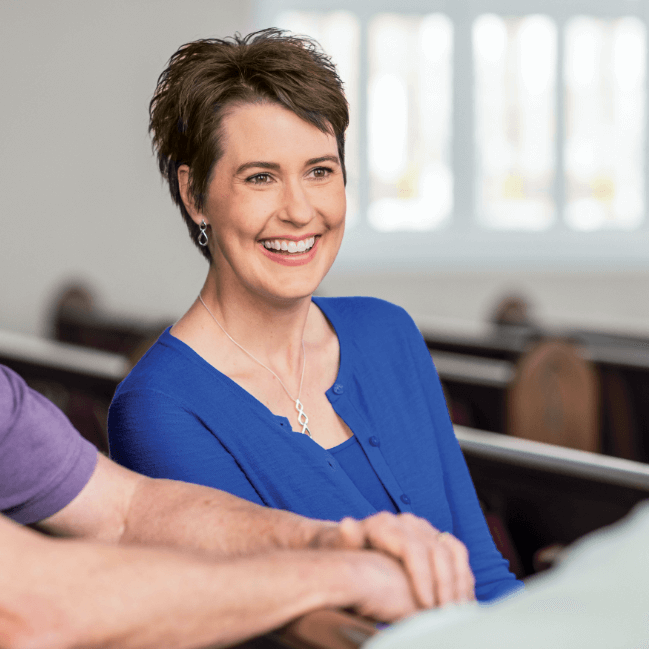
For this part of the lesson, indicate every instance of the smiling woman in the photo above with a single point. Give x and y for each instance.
(279, 180)
(326, 407)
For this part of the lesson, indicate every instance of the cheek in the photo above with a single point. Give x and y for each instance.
(246, 215)
(335, 207)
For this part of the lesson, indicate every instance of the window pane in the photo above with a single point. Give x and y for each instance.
(515, 95)
(605, 122)
(409, 121)
(338, 33)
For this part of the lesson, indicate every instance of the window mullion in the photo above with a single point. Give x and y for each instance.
(464, 149)
(363, 162)
(559, 224)
(644, 226)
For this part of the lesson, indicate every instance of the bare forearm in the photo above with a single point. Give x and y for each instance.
(119, 505)
(69, 593)
(177, 514)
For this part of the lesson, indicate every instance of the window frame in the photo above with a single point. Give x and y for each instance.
(463, 244)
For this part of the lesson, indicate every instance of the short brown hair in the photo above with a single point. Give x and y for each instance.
(205, 77)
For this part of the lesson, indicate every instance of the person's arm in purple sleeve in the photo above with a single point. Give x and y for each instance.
(119, 506)
(68, 593)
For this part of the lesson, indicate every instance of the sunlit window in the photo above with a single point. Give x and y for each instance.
(409, 121)
(605, 122)
(480, 126)
(338, 33)
(515, 95)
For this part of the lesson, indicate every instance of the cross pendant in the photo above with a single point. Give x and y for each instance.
(303, 420)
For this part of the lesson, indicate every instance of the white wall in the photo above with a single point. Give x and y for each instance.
(80, 194)
(616, 302)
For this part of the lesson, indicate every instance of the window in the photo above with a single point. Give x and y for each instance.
(605, 85)
(490, 132)
(409, 156)
(515, 96)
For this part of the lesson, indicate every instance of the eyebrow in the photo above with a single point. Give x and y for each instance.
(257, 164)
(324, 158)
(261, 164)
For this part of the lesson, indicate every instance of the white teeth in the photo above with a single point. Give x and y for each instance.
(291, 247)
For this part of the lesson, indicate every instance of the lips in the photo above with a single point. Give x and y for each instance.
(288, 252)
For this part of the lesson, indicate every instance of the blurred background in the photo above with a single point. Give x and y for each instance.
(497, 166)
(496, 148)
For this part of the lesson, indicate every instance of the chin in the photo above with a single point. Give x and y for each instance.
(290, 292)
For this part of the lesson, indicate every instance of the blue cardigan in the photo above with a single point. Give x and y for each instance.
(176, 416)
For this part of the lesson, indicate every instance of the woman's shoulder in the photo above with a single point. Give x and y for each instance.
(160, 367)
(369, 314)
(364, 308)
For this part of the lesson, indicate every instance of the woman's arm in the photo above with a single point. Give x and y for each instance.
(62, 593)
(492, 576)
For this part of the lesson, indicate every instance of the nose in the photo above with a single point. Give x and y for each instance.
(297, 208)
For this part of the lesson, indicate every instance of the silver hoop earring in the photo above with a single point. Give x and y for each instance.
(202, 236)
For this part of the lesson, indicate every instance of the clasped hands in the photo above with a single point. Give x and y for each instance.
(435, 564)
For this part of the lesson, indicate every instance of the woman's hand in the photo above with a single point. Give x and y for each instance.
(436, 563)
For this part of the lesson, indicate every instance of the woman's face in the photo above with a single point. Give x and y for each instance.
(275, 203)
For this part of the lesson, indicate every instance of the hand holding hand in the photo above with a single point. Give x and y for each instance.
(437, 564)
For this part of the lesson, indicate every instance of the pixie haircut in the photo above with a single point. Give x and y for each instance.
(205, 78)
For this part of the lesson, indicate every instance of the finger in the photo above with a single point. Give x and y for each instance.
(401, 537)
(416, 562)
(351, 534)
(444, 572)
(464, 580)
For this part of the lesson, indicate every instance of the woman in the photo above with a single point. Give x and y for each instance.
(326, 407)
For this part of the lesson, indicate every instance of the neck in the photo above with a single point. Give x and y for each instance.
(271, 330)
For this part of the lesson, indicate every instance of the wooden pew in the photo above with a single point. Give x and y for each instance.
(623, 368)
(547, 495)
(518, 381)
(324, 629)
(508, 379)
(75, 319)
(80, 381)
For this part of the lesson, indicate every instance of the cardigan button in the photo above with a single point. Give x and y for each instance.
(374, 441)
(338, 388)
(404, 499)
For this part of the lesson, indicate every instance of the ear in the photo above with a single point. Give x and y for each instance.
(185, 194)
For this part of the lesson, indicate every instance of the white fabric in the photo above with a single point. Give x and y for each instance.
(598, 598)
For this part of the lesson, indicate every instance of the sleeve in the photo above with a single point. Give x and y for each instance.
(151, 433)
(491, 570)
(44, 461)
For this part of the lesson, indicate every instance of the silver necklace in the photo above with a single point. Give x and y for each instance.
(303, 420)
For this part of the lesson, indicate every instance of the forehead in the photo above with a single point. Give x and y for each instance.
(271, 133)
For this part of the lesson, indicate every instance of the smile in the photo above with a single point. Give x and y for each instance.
(289, 247)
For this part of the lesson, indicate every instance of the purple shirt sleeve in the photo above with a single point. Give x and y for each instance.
(44, 461)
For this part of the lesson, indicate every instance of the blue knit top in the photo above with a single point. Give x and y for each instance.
(176, 416)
